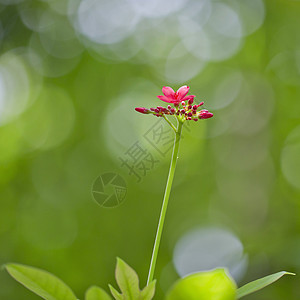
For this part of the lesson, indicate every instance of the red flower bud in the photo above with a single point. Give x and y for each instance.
(205, 114)
(142, 110)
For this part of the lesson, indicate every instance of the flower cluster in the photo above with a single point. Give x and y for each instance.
(183, 105)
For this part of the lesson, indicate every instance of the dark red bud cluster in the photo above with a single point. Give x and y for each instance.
(189, 112)
(159, 111)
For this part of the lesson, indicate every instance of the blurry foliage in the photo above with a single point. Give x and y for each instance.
(66, 116)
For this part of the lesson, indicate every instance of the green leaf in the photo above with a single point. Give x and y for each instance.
(214, 284)
(258, 284)
(115, 293)
(127, 280)
(96, 293)
(40, 282)
(148, 292)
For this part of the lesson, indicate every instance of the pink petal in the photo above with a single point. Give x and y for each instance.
(168, 92)
(182, 92)
(190, 97)
(166, 99)
(176, 101)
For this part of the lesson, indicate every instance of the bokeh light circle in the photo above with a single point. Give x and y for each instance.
(252, 14)
(225, 21)
(209, 248)
(46, 64)
(15, 86)
(49, 121)
(58, 37)
(156, 8)
(106, 22)
(227, 90)
(181, 66)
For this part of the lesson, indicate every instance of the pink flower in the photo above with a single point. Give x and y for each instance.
(171, 97)
(182, 108)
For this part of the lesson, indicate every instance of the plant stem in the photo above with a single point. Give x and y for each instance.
(165, 202)
(169, 122)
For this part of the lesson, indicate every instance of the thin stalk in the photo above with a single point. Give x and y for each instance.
(165, 202)
(170, 123)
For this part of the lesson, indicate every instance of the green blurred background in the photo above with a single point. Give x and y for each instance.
(71, 73)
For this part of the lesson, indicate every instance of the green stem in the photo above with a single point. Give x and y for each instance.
(165, 202)
(173, 127)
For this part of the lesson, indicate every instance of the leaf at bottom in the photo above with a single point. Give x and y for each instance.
(258, 284)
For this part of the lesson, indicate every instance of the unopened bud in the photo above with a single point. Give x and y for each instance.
(205, 114)
(142, 110)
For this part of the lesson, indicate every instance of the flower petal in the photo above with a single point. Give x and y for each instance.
(168, 92)
(166, 99)
(190, 97)
(182, 92)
